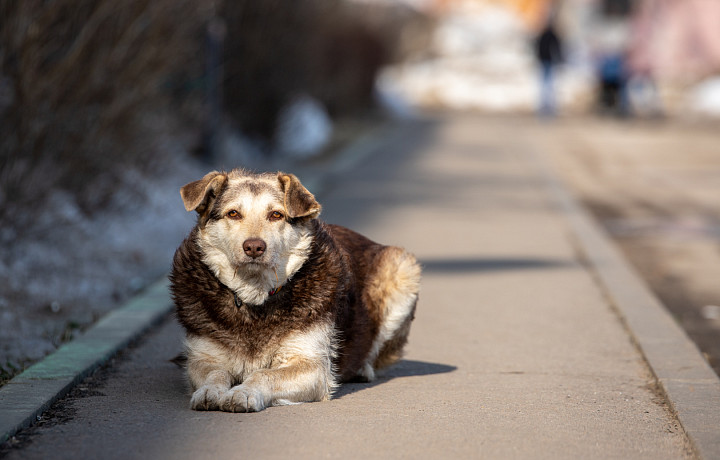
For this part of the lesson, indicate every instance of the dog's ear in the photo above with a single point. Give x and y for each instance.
(299, 202)
(201, 194)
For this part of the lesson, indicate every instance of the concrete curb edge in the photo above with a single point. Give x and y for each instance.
(690, 386)
(32, 392)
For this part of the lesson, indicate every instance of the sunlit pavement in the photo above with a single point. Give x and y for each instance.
(516, 350)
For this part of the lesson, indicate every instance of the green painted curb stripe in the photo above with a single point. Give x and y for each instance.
(27, 395)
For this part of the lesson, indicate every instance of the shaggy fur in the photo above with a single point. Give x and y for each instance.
(278, 306)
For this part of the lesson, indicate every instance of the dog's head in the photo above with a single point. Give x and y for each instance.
(253, 229)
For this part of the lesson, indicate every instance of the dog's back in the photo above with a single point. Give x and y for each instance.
(389, 280)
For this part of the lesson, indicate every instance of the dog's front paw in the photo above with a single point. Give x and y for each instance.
(243, 399)
(207, 397)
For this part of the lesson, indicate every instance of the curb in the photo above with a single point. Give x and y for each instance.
(32, 392)
(690, 386)
(24, 398)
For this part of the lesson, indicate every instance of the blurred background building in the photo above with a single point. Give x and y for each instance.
(481, 55)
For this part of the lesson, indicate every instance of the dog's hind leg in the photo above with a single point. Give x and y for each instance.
(392, 291)
(392, 349)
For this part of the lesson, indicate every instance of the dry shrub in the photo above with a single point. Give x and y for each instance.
(81, 85)
(277, 49)
(85, 84)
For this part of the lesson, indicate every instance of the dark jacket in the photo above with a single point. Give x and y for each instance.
(548, 47)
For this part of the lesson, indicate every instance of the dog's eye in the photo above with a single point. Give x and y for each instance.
(233, 214)
(275, 215)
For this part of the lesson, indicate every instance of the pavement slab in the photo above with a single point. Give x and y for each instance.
(517, 351)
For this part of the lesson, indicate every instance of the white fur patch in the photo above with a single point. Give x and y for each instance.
(299, 370)
(288, 245)
(206, 353)
(312, 350)
(398, 309)
(399, 297)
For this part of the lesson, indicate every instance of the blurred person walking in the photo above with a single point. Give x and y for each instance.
(613, 81)
(549, 52)
(611, 38)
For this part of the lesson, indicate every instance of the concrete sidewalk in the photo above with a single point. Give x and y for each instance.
(530, 341)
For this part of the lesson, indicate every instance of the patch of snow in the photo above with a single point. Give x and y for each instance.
(303, 129)
(475, 29)
(483, 59)
(73, 269)
(388, 98)
(711, 312)
(704, 99)
(422, 5)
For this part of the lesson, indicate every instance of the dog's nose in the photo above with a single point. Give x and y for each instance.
(254, 247)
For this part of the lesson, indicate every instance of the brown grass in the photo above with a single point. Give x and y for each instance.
(81, 80)
(88, 87)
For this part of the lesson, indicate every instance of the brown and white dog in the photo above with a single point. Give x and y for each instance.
(278, 306)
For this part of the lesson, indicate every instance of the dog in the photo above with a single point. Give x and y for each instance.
(279, 307)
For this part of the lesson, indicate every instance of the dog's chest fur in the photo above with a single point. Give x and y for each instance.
(322, 292)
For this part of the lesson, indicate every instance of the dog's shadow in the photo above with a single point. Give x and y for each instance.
(403, 368)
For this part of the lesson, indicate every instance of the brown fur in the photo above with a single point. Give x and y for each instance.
(343, 313)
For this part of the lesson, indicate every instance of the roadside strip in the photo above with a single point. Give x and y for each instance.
(32, 392)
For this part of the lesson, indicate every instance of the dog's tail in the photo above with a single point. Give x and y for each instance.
(394, 288)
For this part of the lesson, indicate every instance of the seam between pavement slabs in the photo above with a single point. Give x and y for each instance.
(24, 398)
(690, 386)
